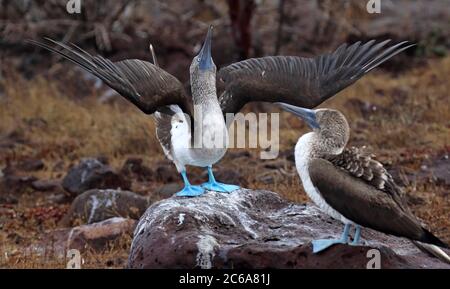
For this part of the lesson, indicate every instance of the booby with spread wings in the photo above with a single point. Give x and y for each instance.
(350, 185)
(202, 142)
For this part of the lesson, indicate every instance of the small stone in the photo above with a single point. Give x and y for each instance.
(96, 236)
(98, 205)
(167, 190)
(93, 174)
(46, 185)
(30, 165)
(134, 168)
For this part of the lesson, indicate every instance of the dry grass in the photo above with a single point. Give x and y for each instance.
(58, 128)
(404, 118)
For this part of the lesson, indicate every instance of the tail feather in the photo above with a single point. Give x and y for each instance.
(429, 238)
(433, 250)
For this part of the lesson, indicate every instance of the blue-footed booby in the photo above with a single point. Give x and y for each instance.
(156, 92)
(350, 185)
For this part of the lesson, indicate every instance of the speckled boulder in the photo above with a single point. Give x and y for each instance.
(256, 229)
(98, 205)
(91, 173)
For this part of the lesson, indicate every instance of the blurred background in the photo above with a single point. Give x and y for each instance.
(57, 121)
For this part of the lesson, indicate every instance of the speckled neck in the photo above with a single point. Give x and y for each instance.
(203, 87)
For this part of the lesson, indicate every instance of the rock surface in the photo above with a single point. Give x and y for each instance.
(12, 187)
(30, 165)
(95, 236)
(255, 229)
(134, 168)
(98, 205)
(89, 174)
(168, 190)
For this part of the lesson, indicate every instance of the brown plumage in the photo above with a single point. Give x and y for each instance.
(301, 81)
(350, 182)
(146, 85)
(359, 201)
(360, 163)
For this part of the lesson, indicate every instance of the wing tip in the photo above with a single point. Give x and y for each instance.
(429, 238)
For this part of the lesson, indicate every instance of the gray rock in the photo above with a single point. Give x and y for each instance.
(135, 169)
(89, 174)
(97, 236)
(12, 187)
(167, 190)
(30, 165)
(98, 205)
(255, 229)
(47, 185)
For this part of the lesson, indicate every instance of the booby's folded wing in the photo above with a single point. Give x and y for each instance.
(142, 83)
(364, 204)
(300, 81)
(360, 163)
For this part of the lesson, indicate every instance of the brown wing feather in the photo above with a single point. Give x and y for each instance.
(361, 202)
(361, 163)
(142, 83)
(300, 81)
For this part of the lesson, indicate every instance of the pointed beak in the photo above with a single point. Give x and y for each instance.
(308, 115)
(205, 53)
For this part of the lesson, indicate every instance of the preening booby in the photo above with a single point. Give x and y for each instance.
(157, 92)
(349, 184)
(295, 80)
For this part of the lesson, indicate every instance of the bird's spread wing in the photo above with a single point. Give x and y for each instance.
(300, 81)
(142, 83)
(346, 186)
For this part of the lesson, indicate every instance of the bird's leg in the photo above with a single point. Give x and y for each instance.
(213, 185)
(356, 239)
(189, 190)
(322, 244)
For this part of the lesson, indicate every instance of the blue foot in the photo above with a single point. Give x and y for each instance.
(219, 187)
(322, 244)
(357, 238)
(213, 185)
(190, 191)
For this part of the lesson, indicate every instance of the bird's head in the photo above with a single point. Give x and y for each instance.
(329, 124)
(203, 62)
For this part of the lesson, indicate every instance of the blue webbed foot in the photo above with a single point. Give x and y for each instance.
(190, 191)
(213, 185)
(322, 244)
(220, 187)
(357, 238)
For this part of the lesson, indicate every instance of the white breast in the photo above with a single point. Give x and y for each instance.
(210, 149)
(302, 156)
